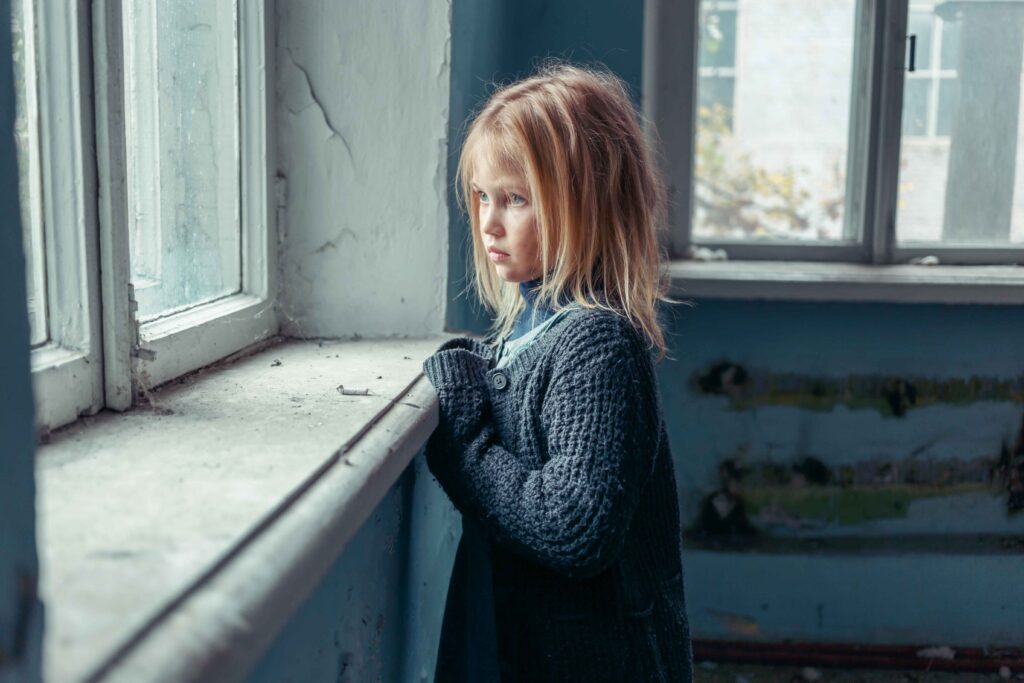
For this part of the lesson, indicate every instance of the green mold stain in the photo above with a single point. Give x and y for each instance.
(841, 505)
(888, 394)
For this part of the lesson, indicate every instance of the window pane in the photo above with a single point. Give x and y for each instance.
(26, 135)
(716, 98)
(183, 139)
(771, 158)
(718, 34)
(947, 102)
(920, 24)
(950, 44)
(915, 106)
(965, 185)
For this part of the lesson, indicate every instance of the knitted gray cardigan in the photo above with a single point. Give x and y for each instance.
(562, 460)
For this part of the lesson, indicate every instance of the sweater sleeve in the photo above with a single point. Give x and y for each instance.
(481, 347)
(601, 422)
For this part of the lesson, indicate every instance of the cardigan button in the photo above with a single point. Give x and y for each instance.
(500, 381)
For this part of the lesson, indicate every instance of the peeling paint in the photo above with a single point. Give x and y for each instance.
(1009, 472)
(890, 395)
(808, 494)
(834, 505)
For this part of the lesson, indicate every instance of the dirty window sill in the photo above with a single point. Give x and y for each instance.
(180, 537)
(804, 281)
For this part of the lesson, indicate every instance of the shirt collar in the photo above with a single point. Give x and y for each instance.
(530, 290)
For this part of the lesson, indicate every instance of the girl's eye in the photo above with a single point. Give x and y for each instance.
(516, 200)
(482, 196)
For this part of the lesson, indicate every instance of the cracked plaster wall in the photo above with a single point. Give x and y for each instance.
(362, 121)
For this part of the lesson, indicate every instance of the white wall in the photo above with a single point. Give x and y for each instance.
(362, 138)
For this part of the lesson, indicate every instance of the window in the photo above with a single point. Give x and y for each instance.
(58, 229)
(928, 99)
(773, 123)
(717, 64)
(26, 135)
(961, 168)
(144, 191)
(814, 141)
(182, 123)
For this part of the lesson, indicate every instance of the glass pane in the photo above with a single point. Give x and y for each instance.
(718, 35)
(947, 103)
(26, 136)
(964, 183)
(915, 106)
(716, 97)
(771, 156)
(950, 44)
(184, 178)
(920, 24)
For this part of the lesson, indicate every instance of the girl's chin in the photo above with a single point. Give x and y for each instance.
(512, 274)
(514, 279)
(508, 275)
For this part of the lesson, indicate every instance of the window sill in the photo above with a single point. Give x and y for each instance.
(180, 538)
(804, 281)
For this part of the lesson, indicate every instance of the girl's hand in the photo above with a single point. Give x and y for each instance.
(458, 367)
(459, 376)
(477, 346)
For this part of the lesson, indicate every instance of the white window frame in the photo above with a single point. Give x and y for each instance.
(67, 372)
(670, 81)
(99, 356)
(38, 313)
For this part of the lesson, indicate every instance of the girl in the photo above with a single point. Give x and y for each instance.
(551, 440)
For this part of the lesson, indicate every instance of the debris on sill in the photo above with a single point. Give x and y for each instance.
(352, 392)
(695, 253)
(276, 363)
(924, 261)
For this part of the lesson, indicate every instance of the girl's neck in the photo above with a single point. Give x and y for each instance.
(530, 290)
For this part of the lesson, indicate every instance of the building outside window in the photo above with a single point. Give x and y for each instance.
(791, 100)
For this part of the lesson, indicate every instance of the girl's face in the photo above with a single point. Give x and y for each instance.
(508, 222)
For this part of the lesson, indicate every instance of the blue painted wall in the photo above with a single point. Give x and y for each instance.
(20, 611)
(377, 613)
(932, 564)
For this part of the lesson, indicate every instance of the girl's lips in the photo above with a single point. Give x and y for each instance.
(497, 255)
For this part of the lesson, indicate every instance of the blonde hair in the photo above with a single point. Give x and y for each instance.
(574, 134)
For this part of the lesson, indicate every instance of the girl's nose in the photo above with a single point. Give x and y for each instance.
(490, 220)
